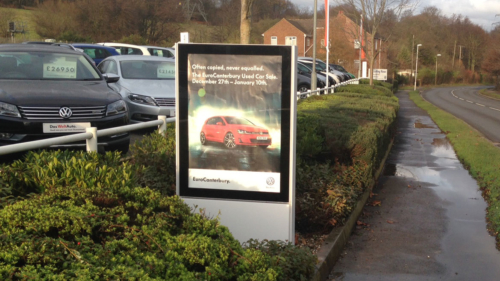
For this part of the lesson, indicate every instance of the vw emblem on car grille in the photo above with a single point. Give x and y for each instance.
(270, 181)
(65, 112)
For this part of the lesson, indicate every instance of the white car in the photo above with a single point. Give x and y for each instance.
(146, 84)
(130, 49)
(161, 51)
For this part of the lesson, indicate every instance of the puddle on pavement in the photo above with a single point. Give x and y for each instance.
(419, 125)
(441, 143)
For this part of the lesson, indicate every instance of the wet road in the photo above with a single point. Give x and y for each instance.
(430, 224)
(467, 104)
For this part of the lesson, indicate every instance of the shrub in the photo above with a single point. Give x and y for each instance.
(347, 137)
(363, 89)
(156, 155)
(91, 221)
(376, 83)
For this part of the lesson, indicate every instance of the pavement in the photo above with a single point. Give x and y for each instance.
(426, 217)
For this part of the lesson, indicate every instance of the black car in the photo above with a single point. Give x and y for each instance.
(49, 91)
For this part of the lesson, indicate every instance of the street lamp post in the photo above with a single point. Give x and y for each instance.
(436, 78)
(416, 69)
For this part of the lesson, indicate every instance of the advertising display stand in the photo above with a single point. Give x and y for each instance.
(235, 136)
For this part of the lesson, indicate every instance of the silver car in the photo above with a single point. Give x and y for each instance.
(146, 83)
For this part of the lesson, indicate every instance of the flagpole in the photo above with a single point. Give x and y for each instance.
(327, 39)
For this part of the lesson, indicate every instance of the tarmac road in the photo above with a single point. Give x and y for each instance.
(426, 220)
(466, 103)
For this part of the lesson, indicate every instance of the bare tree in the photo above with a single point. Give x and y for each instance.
(245, 24)
(373, 14)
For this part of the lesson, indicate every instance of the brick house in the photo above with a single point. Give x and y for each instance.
(297, 32)
(344, 44)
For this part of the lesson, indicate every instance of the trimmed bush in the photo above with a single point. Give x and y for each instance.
(154, 156)
(341, 140)
(92, 221)
(366, 90)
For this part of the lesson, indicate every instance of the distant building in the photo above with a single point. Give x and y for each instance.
(344, 41)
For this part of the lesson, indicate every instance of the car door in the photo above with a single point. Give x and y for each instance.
(219, 129)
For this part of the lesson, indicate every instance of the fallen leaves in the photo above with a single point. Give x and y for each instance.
(375, 203)
(390, 221)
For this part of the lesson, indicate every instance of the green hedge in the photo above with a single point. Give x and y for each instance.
(88, 219)
(341, 140)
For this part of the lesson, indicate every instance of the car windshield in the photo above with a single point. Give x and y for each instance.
(303, 68)
(318, 67)
(237, 121)
(136, 69)
(38, 65)
(339, 68)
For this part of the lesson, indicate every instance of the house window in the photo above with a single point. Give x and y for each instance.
(308, 42)
(274, 40)
(291, 40)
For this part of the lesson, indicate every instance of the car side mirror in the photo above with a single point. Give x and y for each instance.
(111, 77)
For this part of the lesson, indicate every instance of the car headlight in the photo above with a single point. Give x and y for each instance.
(116, 108)
(243, 132)
(9, 110)
(142, 99)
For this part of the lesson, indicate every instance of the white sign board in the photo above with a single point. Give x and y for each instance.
(68, 127)
(380, 74)
(184, 37)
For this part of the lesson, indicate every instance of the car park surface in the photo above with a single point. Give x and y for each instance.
(49, 91)
(146, 83)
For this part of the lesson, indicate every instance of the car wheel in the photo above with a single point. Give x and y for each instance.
(263, 146)
(303, 88)
(203, 139)
(123, 148)
(229, 140)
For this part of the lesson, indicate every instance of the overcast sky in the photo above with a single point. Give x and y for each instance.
(481, 12)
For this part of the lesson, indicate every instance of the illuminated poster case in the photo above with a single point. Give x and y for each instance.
(236, 120)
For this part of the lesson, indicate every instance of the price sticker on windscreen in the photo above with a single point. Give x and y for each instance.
(60, 68)
(166, 70)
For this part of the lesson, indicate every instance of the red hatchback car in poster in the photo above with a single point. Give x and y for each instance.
(234, 131)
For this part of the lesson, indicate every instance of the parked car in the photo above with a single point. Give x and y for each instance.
(321, 70)
(97, 52)
(127, 49)
(161, 51)
(304, 70)
(49, 91)
(342, 69)
(147, 84)
(234, 131)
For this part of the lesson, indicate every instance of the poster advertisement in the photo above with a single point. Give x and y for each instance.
(234, 122)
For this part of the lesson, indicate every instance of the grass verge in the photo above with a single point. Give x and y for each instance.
(476, 153)
(490, 93)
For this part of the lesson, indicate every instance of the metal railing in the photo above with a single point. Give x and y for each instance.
(329, 90)
(90, 136)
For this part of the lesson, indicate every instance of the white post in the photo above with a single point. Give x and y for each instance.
(416, 69)
(163, 127)
(92, 142)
